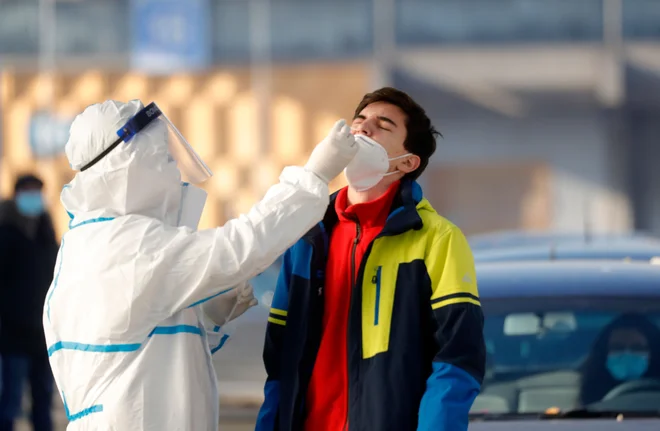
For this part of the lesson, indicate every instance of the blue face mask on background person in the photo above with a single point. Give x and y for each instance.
(30, 203)
(627, 365)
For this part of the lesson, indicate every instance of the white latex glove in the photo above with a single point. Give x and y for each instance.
(228, 306)
(334, 153)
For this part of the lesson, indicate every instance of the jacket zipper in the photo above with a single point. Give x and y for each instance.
(350, 305)
(376, 281)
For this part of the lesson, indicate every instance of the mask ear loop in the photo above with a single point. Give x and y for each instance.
(396, 171)
(399, 157)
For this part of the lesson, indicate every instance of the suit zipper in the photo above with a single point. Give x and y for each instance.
(350, 304)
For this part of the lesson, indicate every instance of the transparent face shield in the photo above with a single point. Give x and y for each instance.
(193, 169)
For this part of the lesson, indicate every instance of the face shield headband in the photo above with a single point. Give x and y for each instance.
(191, 166)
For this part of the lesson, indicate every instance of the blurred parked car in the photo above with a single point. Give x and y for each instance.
(637, 250)
(558, 335)
(517, 238)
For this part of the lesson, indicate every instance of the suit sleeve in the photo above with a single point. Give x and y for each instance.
(175, 268)
(459, 362)
(266, 421)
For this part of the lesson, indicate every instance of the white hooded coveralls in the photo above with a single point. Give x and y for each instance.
(127, 340)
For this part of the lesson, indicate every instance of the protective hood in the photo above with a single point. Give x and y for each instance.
(136, 178)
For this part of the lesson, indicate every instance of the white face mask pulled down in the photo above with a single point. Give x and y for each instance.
(370, 164)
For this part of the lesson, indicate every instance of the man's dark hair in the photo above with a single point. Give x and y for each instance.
(421, 135)
(29, 180)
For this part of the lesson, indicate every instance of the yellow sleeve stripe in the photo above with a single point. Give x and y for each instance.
(456, 298)
(279, 312)
(277, 321)
(277, 316)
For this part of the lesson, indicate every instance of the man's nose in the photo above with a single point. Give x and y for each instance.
(363, 128)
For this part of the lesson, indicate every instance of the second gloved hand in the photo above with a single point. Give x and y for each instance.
(228, 306)
(334, 153)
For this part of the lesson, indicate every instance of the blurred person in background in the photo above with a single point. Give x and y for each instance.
(28, 249)
(376, 323)
(127, 316)
(627, 349)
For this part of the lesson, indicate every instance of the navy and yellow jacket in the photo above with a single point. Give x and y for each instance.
(419, 366)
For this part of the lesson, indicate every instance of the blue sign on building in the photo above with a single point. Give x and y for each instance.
(48, 134)
(170, 35)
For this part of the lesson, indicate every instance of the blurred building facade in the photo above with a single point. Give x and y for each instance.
(217, 112)
(548, 108)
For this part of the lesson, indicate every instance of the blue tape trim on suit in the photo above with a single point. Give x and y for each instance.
(178, 329)
(201, 301)
(81, 414)
(88, 411)
(223, 340)
(90, 221)
(115, 348)
(95, 348)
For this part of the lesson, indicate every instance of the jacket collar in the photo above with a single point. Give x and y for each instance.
(403, 213)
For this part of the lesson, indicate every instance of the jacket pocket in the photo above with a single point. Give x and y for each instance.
(377, 304)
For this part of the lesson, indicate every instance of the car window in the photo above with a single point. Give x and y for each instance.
(566, 358)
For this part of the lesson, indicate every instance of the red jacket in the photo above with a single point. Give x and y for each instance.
(327, 397)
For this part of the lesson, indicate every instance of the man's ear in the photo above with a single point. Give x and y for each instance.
(409, 164)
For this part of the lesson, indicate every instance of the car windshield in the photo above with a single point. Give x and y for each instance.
(598, 354)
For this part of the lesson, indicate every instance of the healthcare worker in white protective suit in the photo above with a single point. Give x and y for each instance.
(126, 317)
